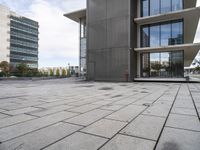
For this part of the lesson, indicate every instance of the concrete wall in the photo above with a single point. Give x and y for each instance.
(109, 40)
(4, 34)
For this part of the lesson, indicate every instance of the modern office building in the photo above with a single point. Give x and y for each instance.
(146, 39)
(18, 38)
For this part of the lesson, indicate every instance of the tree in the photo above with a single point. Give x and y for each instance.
(23, 69)
(51, 72)
(5, 68)
(64, 73)
(57, 72)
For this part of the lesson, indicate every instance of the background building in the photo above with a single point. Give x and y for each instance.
(18, 38)
(141, 38)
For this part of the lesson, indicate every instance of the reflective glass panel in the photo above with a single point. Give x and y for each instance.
(165, 34)
(165, 64)
(177, 33)
(154, 7)
(145, 8)
(155, 64)
(177, 5)
(165, 6)
(145, 37)
(145, 65)
(177, 64)
(154, 36)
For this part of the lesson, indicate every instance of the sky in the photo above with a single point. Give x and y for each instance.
(58, 36)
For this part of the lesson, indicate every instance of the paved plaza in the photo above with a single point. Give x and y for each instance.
(65, 114)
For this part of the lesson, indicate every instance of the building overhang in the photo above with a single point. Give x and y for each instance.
(190, 16)
(76, 15)
(190, 51)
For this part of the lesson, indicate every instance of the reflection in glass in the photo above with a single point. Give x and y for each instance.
(165, 64)
(154, 7)
(145, 8)
(165, 6)
(155, 65)
(145, 37)
(162, 64)
(177, 64)
(165, 34)
(177, 5)
(145, 65)
(154, 36)
(177, 33)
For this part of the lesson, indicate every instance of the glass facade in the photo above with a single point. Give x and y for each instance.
(162, 34)
(154, 7)
(24, 41)
(162, 64)
(83, 34)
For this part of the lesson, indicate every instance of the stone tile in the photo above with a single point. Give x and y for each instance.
(78, 141)
(22, 111)
(102, 103)
(127, 113)
(112, 107)
(52, 104)
(184, 104)
(51, 110)
(14, 120)
(175, 139)
(14, 131)
(40, 138)
(184, 122)
(3, 116)
(89, 117)
(183, 111)
(122, 142)
(84, 108)
(160, 110)
(104, 127)
(148, 127)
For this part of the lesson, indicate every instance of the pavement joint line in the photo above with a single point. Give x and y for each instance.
(73, 124)
(193, 102)
(183, 129)
(116, 120)
(137, 137)
(132, 119)
(4, 113)
(167, 117)
(34, 130)
(12, 97)
(153, 116)
(94, 134)
(184, 114)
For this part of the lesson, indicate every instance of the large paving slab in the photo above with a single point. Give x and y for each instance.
(79, 115)
(176, 139)
(123, 142)
(41, 138)
(104, 127)
(78, 141)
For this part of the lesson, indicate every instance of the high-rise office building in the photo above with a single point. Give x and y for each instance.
(146, 39)
(18, 38)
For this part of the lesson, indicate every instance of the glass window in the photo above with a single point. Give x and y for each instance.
(165, 64)
(154, 7)
(145, 37)
(155, 64)
(154, 36)
(145, 8)
(177, 5)
(165, 34)
(145, 65)
(165, 6)
(177, 64)
(177, 33)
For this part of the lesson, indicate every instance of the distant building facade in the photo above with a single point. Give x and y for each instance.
(18, 38)
(138, 38)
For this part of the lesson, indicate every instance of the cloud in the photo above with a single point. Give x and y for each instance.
(58, 36)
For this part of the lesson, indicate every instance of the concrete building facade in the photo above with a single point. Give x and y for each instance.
(141, 39)
(18, 38)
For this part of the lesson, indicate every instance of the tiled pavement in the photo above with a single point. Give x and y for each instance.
(71, 115)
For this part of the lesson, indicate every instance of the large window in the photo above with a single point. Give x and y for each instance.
(162, 34)
(162, 64)
(154, 7)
